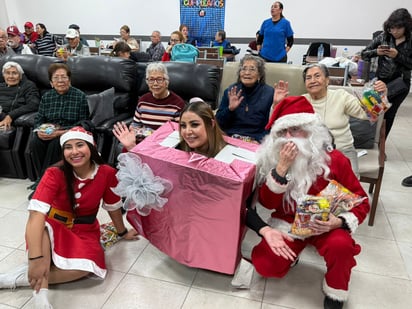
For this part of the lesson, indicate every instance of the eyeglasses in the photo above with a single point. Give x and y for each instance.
(248, 69)
(293, 131)
(159, 80)
(174, 40)
(71, 39)
(60, 78)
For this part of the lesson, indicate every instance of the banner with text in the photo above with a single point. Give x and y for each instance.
(203, 18)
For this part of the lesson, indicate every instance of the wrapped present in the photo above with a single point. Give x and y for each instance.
(108, 235)
(47, 128)
(202, 223)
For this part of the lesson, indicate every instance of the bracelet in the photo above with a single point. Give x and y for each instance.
(345, 225)
(122, 233)
(36, 258)
(278, 178)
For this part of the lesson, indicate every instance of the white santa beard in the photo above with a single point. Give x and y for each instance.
(305, 169)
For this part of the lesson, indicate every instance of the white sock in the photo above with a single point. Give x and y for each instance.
(41, 300)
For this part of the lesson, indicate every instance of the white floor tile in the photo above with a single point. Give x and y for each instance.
(146, 293)
(140, 276)
(201, 299)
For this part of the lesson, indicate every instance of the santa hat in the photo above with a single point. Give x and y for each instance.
(77, 133)
(292, 112)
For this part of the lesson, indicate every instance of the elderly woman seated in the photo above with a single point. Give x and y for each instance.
(60, 109)
(153, 108)
(18, 95)
(245, 106)
(334, 107)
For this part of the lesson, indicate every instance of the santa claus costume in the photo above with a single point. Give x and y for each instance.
(337, 247)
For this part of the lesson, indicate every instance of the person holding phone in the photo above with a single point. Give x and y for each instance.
(393, 47)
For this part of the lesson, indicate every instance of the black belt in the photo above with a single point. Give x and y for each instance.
(84, 220)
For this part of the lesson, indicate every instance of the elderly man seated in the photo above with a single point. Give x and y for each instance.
(74, 47)
(4, 49)
(14, 41)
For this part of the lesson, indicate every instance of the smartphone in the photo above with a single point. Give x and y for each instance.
(384, 46)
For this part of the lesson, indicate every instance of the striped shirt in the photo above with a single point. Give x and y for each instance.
(152, 112)
(46, 45)
(63, 109)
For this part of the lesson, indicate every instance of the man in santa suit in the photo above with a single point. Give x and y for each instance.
(295, 159)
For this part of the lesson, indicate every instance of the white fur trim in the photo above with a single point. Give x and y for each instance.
(74, 263)
(274, 186)
(294, 120)
(351, 220)
(112, 207)
(38, 206)
(76, 135)
(340, 295)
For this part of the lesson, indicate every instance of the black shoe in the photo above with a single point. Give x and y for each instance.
(295, 262)
(407, 182)
(30, 195)
(329, 303)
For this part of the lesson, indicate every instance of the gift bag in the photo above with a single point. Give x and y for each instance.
(373, 102)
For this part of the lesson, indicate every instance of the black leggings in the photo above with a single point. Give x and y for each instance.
(396, 103)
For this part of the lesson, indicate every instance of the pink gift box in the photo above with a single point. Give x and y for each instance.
(202, 224)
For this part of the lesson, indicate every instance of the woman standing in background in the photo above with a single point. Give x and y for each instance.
(45, 44)
(393, 47)
(275, 36)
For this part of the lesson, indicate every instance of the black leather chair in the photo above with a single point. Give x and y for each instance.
(188, 80)
(313, 50)
(13, 142)
(92, 75)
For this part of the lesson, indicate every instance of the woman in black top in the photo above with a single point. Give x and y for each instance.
(393, 47)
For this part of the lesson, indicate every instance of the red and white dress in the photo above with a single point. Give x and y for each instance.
(77, 248)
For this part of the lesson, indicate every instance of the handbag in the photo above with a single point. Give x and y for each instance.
(396, 87)
(185, 53)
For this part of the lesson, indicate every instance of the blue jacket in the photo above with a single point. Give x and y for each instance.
(225, 44)
(251, 116)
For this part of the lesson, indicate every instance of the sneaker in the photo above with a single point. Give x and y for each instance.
(9, 280)
(329, 303)
(407, 182)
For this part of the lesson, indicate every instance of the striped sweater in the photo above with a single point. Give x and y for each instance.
(152, 112)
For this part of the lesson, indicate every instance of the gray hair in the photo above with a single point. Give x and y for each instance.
(12, 64)
(157, 67)
(321, 66)
(260, 64)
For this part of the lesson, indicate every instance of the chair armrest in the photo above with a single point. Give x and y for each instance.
(108, 125)
(26, 120)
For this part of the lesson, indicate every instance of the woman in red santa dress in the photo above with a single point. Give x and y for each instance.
(62, 232)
